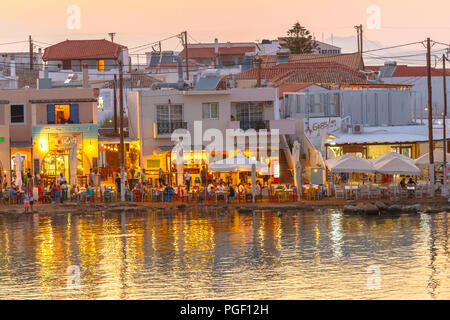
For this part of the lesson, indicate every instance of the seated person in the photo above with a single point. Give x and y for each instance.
(403, 183)
(231, 193)
(411, 182)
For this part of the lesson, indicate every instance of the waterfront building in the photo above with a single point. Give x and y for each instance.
(155, 115)
(41, 124)
(64, 60)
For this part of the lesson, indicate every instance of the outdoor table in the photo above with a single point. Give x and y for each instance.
(221, 193)
(411, 190)
(351, 191)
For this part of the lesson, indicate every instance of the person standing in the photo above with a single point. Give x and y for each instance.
(118, 183)
(91, 178)
(143, 176)
(161, 176)
(62, 179)
(187, 178)
(203, 176)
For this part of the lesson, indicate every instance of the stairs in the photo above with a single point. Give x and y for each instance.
(286, 175)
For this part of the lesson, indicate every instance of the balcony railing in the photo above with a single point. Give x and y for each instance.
(255, 124)
(166, 128)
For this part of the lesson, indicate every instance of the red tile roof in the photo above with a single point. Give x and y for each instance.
(411, 71)
(198, 53)
(351, 60)
(83, 49)
(236, 50)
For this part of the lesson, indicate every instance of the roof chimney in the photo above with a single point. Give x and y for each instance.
(85, 76)
(216, 46)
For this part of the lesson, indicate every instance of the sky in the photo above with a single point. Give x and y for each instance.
(137, 22)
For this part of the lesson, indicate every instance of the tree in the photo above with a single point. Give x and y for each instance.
(299, 40)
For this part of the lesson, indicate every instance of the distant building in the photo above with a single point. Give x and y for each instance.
(272, 46)
(220, 54)
(393, 73)
(65, 59)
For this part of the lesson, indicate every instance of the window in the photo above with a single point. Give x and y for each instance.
(62, 113)
(211, 110)
(17, 113)
(169, 118)
(101, 65)
(67, 64)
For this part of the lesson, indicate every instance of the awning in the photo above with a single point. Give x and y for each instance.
(350, 163)
(238, 162)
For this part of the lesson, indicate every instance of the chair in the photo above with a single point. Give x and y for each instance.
(265, 193)
(339, 192)
(364, 192)
(271, 195)
(137, 196)
(294, 195)
(374, 192)
(418, 192)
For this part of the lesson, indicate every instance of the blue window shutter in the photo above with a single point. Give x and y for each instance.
(50, 113)
(74, 113)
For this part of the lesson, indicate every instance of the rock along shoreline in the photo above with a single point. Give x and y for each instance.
(374, 208)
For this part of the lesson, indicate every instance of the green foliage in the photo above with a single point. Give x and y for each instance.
(299, 40)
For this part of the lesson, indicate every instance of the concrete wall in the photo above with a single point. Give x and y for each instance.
(421, 87)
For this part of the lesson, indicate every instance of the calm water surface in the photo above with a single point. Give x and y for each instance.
(205, 255)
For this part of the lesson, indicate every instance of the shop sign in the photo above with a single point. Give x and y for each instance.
(64, 141)
(2, 139)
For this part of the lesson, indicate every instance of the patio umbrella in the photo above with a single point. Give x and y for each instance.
(18, 162)
(238, 162)
(391, 155)
(73, 164)
(438, 158)
(179, 150)
(397, 165)
(350, 163)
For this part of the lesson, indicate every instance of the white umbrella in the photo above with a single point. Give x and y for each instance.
(73, 164)
(350, 163)
(396, 165)
(438, 155)
(391, 155)
(179, 151)
(18, 162)
(238, 162)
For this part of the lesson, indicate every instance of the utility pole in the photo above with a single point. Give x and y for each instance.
(111, 35)
(358, 38)
(361, 38)
(122, 149)
(430, 114)
(444, 77)
(116, 133)
(258, 66)
(187, 55)
(31, 52)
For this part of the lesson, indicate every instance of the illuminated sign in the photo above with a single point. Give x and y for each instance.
(2, 139)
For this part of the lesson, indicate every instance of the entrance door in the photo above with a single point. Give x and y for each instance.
(62, 165)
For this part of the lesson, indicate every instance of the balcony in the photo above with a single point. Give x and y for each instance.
(167, 128)
(255, 124)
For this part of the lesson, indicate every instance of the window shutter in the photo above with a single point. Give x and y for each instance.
(74, 113)
(51, 114)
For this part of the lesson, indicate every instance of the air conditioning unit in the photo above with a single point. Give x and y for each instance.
(357, 128)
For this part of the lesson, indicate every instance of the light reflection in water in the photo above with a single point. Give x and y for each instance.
(207, 255)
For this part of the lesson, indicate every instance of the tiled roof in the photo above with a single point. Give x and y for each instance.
(323, 72)
(410, 71)
(325, 76)
(83, 49)
(198, 53)
(351, 60)
(236, 50)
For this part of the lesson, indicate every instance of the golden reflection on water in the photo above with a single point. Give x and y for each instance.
(207, 255)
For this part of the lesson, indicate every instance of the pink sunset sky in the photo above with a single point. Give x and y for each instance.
(137, 22)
